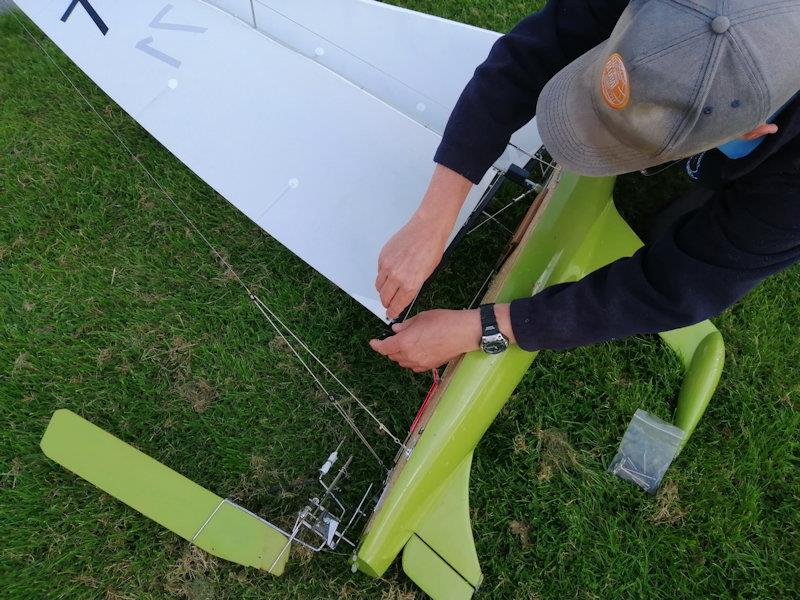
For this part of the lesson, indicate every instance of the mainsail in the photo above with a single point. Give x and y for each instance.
(318, 120)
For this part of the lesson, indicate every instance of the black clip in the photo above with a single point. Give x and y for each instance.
(388, 332)
(518, 175)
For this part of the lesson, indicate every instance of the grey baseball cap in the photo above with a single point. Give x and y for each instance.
(676, 77)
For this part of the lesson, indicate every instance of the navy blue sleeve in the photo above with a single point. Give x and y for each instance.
(501, 96)
(704, 263)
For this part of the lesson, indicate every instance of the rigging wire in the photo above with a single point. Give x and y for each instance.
(493, 216)
(340, 409)
(271, 317)
(349, 392)
(546, 168)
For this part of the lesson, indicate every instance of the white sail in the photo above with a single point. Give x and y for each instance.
(328, 149)
(415, 62)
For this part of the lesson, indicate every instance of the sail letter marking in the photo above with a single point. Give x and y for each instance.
(145, 45)
(157, 23)
(90, 11)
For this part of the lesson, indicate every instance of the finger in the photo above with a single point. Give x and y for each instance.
(381, 279)
(398, 327)
(378, 346)
(400, 300)
(388, 291)
(385, 347)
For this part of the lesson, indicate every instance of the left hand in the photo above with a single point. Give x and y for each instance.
(432, 338)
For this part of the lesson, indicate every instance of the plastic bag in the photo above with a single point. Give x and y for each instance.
(646, 451)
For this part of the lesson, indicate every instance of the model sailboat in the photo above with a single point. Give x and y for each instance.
(318, 120)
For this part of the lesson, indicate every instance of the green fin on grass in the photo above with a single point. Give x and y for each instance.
(432, 574)
(216, 525)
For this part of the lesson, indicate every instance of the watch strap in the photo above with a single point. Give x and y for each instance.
(488, 320)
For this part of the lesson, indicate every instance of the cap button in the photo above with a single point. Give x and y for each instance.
(720, 24)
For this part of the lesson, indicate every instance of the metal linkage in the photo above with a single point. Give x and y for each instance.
(319, 524)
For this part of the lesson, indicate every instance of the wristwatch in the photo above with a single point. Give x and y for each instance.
(492, 341)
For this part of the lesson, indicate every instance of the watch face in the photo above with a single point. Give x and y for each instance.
(496, 345)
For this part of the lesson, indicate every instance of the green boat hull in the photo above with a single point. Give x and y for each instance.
(574, 230)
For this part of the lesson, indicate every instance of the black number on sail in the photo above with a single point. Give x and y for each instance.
(90, 11)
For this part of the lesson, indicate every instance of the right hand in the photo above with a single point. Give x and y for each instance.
(406, 262)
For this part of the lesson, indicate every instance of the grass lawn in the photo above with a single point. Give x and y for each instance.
(111, 307)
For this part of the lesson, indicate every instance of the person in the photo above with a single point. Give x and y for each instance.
(619, 87)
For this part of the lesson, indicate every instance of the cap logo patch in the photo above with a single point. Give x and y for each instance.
(614, 85)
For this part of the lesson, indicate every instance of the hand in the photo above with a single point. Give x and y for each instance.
(411, 255)
(406, 262)
(431, 339)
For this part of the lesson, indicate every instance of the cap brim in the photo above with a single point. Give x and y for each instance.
(571, 130)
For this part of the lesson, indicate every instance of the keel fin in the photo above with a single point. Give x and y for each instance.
(432, 574)
(442, 548)
(212, 523)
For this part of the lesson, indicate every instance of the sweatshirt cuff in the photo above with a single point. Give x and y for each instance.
(522, 325)
(463, 161)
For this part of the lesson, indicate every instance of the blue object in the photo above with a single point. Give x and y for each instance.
(739, 148)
